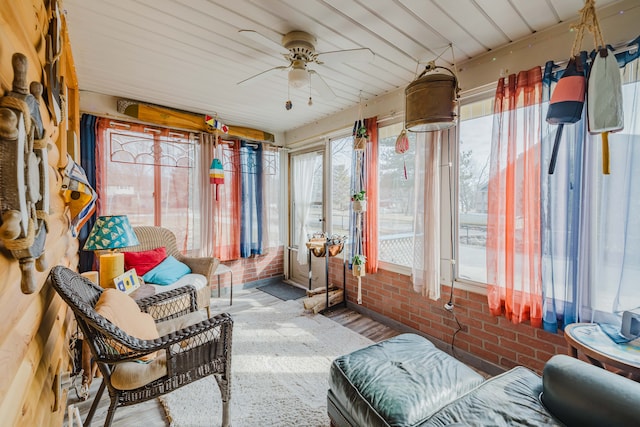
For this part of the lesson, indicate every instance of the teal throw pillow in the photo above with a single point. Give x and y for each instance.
(167, 272)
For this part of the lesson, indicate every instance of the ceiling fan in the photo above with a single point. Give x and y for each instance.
(298, 47)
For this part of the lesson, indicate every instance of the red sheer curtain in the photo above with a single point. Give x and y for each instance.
(227, 207)
(370, 234)
(513, 221)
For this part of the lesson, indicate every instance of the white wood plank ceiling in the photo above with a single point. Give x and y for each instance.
(189, 54)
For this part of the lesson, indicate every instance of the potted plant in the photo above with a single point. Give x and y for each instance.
(359, 201)
(361, 138)
(358, 265)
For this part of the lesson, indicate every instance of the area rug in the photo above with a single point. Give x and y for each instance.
(284, 291)
(280, 368)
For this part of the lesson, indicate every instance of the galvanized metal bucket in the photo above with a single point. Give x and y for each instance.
(431, 101)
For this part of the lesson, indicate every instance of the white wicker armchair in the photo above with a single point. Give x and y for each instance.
(151, 237)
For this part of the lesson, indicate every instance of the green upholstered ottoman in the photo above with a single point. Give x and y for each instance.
(398, 382)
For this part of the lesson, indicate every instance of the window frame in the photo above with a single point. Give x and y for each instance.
(481, 94)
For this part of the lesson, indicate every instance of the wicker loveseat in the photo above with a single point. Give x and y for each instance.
(202, 268)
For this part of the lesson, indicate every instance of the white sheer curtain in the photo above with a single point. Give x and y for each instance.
(302, 183)
(205, 196)
(272, 201)
(611, 216)
(426, 239)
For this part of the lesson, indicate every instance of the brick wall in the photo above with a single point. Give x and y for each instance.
(493, 339)
(247, 270)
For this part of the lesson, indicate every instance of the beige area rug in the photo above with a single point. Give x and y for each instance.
(280, 369)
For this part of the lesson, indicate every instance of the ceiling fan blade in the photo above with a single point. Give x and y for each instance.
(348, 55)
(320, 86)
(262, 75)
(263, 40)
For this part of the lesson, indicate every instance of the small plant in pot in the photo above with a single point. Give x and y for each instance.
(361, 138)
(358, 265)
(359, 201)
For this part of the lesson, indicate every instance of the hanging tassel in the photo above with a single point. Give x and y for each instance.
(605, 153)
(359, 290)
(404, 162)
(556, 146)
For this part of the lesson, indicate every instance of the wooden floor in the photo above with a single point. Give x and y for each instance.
(151, 413)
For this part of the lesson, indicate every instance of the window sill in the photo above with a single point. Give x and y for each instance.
(465, 285)
(395, 268)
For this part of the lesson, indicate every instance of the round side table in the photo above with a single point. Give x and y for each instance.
(600, 349)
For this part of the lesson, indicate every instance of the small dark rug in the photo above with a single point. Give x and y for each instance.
(284, 291)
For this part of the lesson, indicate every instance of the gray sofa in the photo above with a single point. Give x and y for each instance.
(407, 381)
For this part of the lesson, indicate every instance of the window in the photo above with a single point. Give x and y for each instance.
(589, 240)
(147, 175)
(476, 121)
(396, 204)
(341, 170)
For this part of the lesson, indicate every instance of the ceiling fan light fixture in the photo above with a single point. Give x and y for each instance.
(298, 77)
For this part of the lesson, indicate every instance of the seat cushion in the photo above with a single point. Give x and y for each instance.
(398, 382)
(131, 375)
(198, 281)
(181, 322)
(509, 399)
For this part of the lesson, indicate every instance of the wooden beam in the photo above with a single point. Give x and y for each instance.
(169, 117)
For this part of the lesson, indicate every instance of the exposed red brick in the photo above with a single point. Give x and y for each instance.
(537, 344)
(531, 363)
(500, 350)
(544, 356)
(484, 336)
(469, 339)
(495, 330)
(508, 363)
(557, 339)
(518, 348)
(484, 354)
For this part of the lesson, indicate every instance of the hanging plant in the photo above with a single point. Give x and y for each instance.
(360, 139)
(359, 201)
(358, 263)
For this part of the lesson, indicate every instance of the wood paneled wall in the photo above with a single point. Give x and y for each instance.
(33, 343)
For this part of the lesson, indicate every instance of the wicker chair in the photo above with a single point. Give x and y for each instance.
(151, 237)
(190, 353)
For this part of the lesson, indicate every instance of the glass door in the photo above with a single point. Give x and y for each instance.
(307, 217)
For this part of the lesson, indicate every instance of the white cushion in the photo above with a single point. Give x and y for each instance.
(197, 280)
